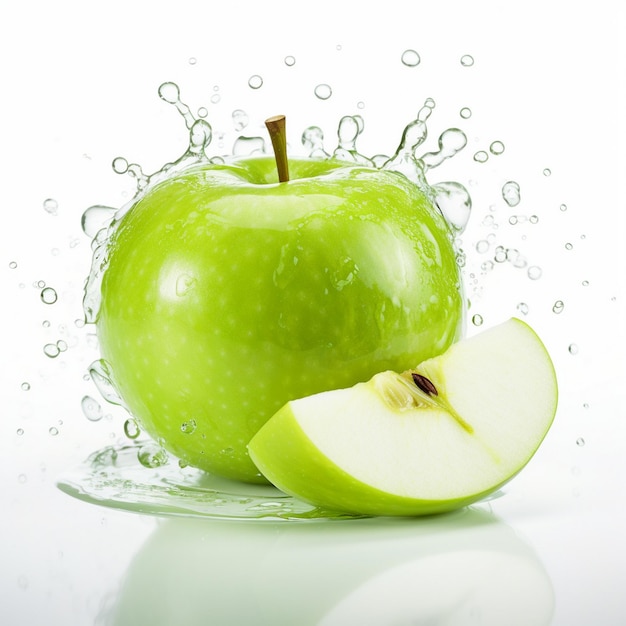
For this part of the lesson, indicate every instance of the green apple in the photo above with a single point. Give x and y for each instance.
(429, 440)
(226, 294)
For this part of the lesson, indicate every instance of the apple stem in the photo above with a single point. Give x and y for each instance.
(276, 127)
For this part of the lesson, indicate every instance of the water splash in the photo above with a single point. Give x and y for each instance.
(114, 478)
(350, 127)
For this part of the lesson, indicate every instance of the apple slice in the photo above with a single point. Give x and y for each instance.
(429, 440)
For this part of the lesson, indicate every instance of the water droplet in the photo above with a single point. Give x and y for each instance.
(323, 91)
(188, 427)
(500, 255)
(240, 119)
(534, 272)
(454, 202)
(255, 82)
(547, 172)
(516, 258)
(563, 207)
(100, 373)
(53, 430)
(152, 455)
(48, 295)
(410, 58)
(91, 409)
(465, 113)
(511, 193)
(481, 156)
(202, 112)
(61, 345)
(522, 308)
(572, 349)
(290, 61)
(50, 206)
(131, 428)
(184, 284)
(169, 92)
(192, 60)
(97, 217)
(119, 165)
(569, 246)
(12, 265)
(585, 283)
(558, 307)
(20, 431)
(482, 246)
(51, 350)
(533, 219)
(477, 320)
(467, 60)
(496, 147)
(215, 98)
(22, 478)
(25, 386)
(580, 442)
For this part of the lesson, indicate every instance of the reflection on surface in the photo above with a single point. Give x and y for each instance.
(463, 568)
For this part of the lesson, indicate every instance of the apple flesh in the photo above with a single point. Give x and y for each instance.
(226, 294)
(429, 440)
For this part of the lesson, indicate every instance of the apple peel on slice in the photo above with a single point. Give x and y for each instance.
(428, 440)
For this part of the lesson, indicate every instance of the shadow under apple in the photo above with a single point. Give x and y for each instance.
(461, 568)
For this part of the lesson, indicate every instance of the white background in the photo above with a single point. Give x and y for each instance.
(79, 87)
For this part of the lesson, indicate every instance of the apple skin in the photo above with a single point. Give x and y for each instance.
(226, 294)
(387, 447)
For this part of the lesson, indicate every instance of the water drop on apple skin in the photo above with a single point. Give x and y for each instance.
(151, 455)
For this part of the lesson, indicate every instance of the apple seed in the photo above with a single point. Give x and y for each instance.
(425, 384)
